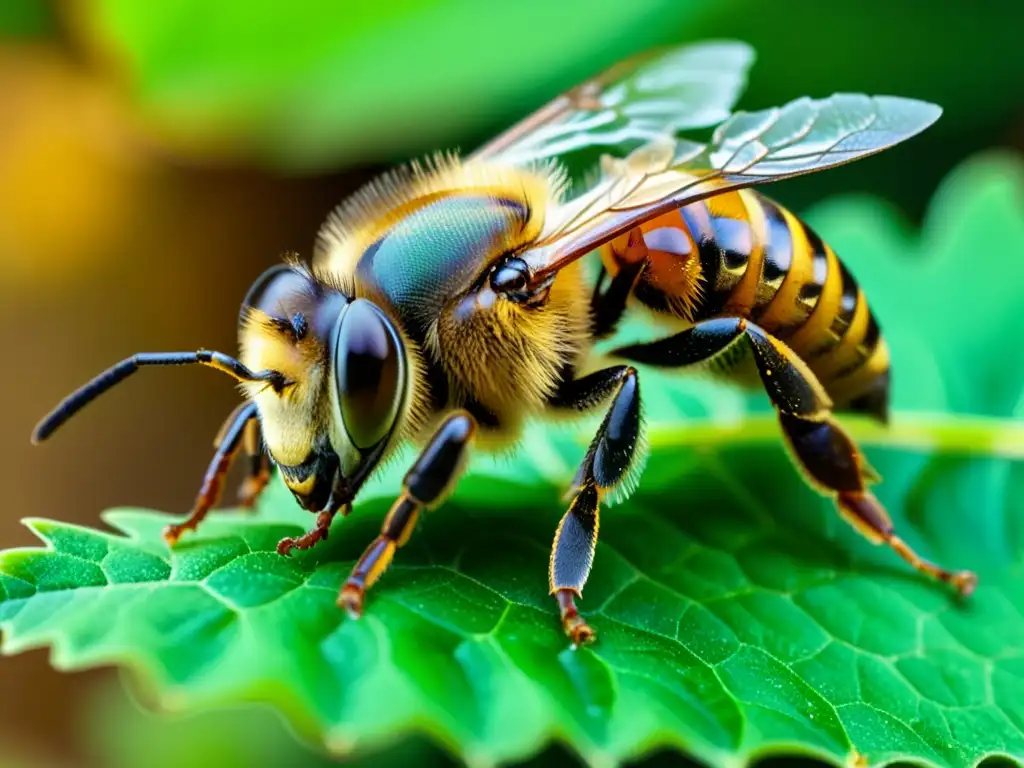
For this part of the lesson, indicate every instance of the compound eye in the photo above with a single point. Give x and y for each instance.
(510, 277)
(369, 371)
(271, 290)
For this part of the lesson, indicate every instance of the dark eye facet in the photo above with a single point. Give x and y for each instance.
(510, 277)
(273, 288)
(369, 371)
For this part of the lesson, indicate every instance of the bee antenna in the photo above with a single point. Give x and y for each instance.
(114, 375)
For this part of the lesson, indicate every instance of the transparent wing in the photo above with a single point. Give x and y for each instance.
(804, 136)
(687, 87)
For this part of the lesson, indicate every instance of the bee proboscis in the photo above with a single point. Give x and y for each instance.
(446, 304)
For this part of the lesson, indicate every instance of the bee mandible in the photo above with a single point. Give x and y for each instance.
(447, 303)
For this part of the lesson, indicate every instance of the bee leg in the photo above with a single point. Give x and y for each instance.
(606, 467)
(607, 308)
(311, 537)
(835, 466)
(572, 556)
(828, 456)
(227, 444)
(425, 485)
(258, 472)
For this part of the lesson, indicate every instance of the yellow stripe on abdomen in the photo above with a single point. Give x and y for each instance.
(850, 386)
(814, 333)
(744, 295)
(805, 296)
(791, 307)
(845, 355)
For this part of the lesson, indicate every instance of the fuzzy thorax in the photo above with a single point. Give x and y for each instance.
(510, 358)
(376, 209)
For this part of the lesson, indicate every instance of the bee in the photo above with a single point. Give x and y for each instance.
(448, 302)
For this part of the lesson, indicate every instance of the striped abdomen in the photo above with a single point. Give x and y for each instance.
(740, 254)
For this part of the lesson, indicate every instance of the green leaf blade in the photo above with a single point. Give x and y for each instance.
(861, 654)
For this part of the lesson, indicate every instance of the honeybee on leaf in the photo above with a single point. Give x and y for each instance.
(447, 303)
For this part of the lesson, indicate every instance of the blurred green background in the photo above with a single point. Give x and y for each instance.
(156, 157)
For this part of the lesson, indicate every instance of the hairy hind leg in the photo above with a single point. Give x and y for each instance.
(830, 459)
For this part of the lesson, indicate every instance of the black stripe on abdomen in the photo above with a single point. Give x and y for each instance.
(847, 303)
(810, 292)
(697, 218)
(778, 256)
(724, 247)
(865, 348)
(872, 335)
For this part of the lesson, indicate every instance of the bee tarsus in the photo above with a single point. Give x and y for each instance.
(576, 628)
(312, 537)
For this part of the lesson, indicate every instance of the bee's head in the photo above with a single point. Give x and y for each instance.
(350, 383)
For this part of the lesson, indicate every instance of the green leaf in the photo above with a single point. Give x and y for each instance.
(340, 82)
(120, 734)
(25, 20)
(728, 626)
(738, 616)
(363, 74)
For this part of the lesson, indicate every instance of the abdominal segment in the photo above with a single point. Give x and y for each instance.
(739, 254)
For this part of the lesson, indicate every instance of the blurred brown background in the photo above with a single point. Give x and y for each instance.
(109, 246)
(129, 222)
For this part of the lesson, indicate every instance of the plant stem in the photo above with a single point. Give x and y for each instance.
(945, 432)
